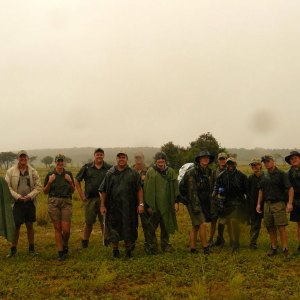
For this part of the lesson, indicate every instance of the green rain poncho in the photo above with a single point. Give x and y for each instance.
(160, 192)
(7, 223)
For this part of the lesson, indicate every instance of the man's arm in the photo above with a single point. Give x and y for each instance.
(141, 201)
(8, 178)
(259, 200)
(289, 206)
(37, 185)
(79, 189)
(102, 203)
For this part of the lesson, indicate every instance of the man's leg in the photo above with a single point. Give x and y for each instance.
(273, 238)
(230, 233)
(235, 229)
(283, 236)
(91, 210)
(202, 235)
(65, 231)
(164, 236)
(30, 236)
(193, 237)
(153, 224)
(254, 232)
(213, 227)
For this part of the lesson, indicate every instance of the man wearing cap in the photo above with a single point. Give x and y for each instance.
(93, 174)
(214, 209)
(140, 165)
(196, 186)
(25, 185)
(122, 201)
(59, 186)
(252, 196)
(272, 190)
(161, 192)
(230, 190)
(294, 176)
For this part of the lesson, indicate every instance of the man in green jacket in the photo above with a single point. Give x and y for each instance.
(7, 223)
(160, 192)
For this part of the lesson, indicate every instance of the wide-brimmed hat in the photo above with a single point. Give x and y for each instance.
(267, 157)
(292, 153)
(222, 155)
(231, 159)
(22, 152)
(121, 151)
(255, 161)
(205, 153)
(60, 157)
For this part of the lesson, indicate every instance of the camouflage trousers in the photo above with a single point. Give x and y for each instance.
(150, 224)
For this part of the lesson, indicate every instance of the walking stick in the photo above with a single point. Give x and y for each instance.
(104, 230)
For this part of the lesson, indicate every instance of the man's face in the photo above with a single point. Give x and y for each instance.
(256, 167)
(295, 161)
(269, 164)
(231, 166)
(98, 157)
(138, 159)
(204, 161)
(122, 160)
(23, 160)
(222, 162)
(161, 164)
(60, 164)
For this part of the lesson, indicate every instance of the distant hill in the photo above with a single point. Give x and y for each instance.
(245, 155)
(80, 156)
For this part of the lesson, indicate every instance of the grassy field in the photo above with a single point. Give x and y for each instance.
(93, 274)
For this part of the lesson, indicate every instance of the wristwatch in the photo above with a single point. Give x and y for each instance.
(141, 204)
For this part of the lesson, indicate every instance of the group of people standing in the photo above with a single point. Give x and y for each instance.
(116, 195)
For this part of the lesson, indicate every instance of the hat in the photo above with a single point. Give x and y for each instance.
(205, 153)
(121, 151)
(231, 159)
(222, 155)
(292, 153)
(98, 150)
(267, 157)
(255, 161)
(138, 154)
(59, 157)
(22, 152)
(160, 155)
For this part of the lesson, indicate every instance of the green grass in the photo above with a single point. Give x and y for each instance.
(93, 274)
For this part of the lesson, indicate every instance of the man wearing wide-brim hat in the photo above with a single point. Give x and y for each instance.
(294, 176)
(272, 190)
(196, 186)
(231, 189)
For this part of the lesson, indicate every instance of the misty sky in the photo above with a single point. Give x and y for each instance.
(145, 72)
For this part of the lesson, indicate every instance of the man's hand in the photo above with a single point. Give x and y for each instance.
(258, 210)
(52, 178)
(68, 178)
(140, 209)
(176, 207)
(289, 207)
(102, 210)
(26, 198)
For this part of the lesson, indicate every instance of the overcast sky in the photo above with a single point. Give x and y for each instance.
(145, 72)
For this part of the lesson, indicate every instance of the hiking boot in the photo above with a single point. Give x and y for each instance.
(253, 246)
(211, 242)
(167, 248)
(116, 253)
(128, 254)
(273, 252)
(194, 251)
(61, 256)
(285, 252)
(219, 242)
(66, 250)
(13, 252)
(84, 243)
(206, 250)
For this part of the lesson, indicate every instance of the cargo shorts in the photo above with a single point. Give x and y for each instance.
(60, 209)
(275, 214)
(197, 219)
(92, 211)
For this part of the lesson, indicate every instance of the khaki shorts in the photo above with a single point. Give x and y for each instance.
(60, 209)
(197, 219)
(92, 211)
(275, 214)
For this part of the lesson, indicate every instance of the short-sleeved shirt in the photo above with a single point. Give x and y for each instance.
(274, 185)
(24, 184)
(60, 187)
(294, 177)
(92, 177)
